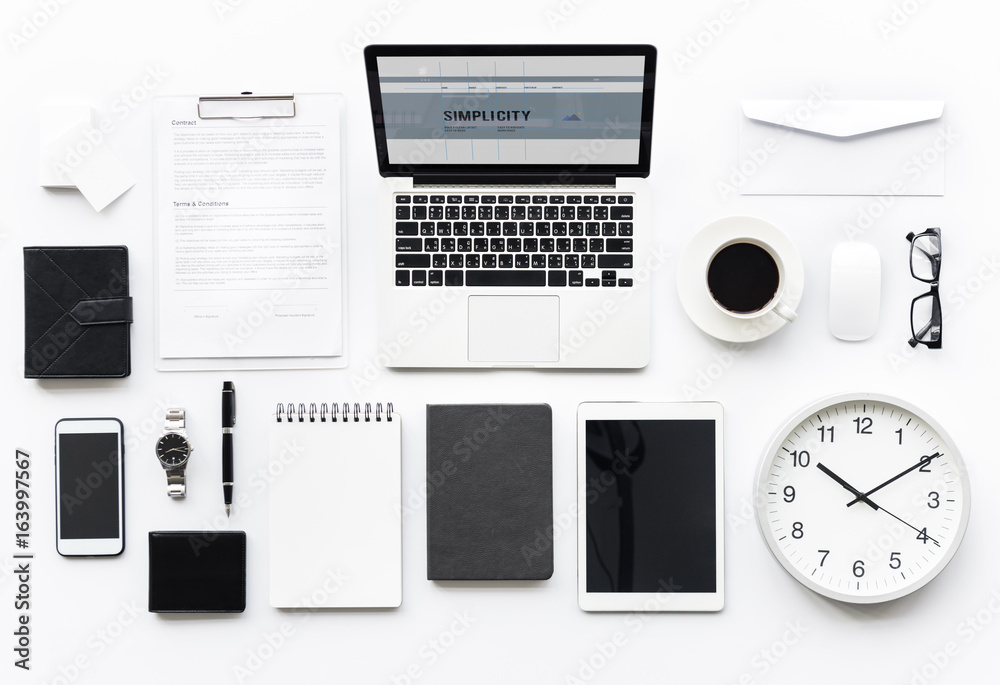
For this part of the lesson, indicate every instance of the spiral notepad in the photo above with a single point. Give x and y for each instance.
(335, 519)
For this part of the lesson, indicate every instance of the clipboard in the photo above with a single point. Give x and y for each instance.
(245, 218)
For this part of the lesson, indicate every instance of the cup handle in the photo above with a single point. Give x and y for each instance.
(785, 312)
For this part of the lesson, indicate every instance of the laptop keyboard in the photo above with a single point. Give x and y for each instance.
(550, 239)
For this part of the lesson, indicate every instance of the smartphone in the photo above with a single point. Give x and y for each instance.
(90, 487)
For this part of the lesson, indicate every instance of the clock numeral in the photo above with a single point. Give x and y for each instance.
(935, 500)
(925, 464)
(894, 560)
(797, 530)
(825, 553)
(823, 430)
(863, 425)
(800, 458)
(899, 434)
(790, 493)
(922, 536)
(859, 568)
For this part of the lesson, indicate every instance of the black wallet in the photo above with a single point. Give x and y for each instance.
(197, 571)
(77, 312)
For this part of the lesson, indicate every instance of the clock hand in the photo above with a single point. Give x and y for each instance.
(861, 497)
(923, 460)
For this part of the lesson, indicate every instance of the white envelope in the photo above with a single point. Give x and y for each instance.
(841, 147)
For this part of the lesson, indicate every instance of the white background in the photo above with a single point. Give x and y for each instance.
(96, 51)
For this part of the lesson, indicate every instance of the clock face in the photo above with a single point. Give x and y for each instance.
(173, 449)
(862, 498)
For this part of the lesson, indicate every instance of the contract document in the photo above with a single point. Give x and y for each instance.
(249, 232)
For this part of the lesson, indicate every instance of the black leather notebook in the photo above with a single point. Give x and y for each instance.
(489, 492)
(77, 312)
(197, 571)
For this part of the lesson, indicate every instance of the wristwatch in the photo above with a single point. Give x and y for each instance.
(173, 450)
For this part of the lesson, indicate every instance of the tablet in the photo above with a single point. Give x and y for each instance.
(650, 505)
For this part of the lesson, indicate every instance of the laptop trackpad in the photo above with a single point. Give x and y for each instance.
(513, 329)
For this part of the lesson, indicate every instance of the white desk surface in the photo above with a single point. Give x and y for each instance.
(88, 617)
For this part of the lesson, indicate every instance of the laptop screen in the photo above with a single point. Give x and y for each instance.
(506, 108)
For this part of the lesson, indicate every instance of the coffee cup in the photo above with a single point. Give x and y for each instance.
(746, 280)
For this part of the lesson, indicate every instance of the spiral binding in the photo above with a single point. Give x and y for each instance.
(290, 413)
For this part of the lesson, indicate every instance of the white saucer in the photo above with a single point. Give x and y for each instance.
(693, 290)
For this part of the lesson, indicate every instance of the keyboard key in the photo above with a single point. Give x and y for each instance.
(489, 262)
(461, 228)
(576, 228)
(557, 279)
(574, 199)
(557, 199)
(537, 261)
(406, 228)
(624, 282)
(409, 244)
(531, 244)
(403, 212)
(506, 199)
(471, 199)
(419, 213)
(547, 244)
(539, 199)
(477, 228)
(439, 261)
(518, 213)
(403, 277)
(585, 213)
(488, 199)
(588, 261)
(593, 228)
(551, 213)
(437, 199)
(419, 277)
(590, 199)
(521, 261)
(543, 228)
(468, 212)
(614, 261)
(472, 261)
(567, 213)
(575, 279)
(452, 212)
(413, 261)
(455, 261)
(555, 261)
(600, 213)
(609, 228)
(464, 244)
(607, 199)
(579, 244)
(455, 199)
(506, 261)
(559, 228)
(526, 228)
(431, 244)
(444, 228)
(618, 244)
(453, 278)
(419, 199)
(501, 213)
(486, 213)
(402, 199)
(563, 244)
(572, 261)
(496, 244)
(625, 228)
(481, 244)
(435, 277)
(513, 244)
(608, 284)
(504, 278)
(624, 199)
(596, 245)
(608, 275)
(534, 213)
(447, 244)
(493, 228)
(509, 228)
(593, 282)
(621, 213)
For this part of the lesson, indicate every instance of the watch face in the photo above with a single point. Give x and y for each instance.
(173, 449)
(862, 498)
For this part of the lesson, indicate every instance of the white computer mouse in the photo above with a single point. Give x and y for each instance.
(855, 291)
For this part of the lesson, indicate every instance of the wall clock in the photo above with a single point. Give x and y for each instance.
(862, 498)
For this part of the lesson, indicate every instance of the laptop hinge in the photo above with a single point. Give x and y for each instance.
(563, 178)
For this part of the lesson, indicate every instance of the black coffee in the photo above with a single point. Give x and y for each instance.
(743, 278)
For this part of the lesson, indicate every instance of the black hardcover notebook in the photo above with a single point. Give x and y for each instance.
(489, 492)
(77, 312)
(197, 571)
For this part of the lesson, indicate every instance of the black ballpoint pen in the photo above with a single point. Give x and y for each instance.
(228, 421)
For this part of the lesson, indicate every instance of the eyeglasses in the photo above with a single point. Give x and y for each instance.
(925, 310)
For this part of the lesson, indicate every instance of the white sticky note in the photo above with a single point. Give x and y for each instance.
(55, 121)
(83, 156)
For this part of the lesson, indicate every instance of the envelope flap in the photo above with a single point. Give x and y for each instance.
(843, 118)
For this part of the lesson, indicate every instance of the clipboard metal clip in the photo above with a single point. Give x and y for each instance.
(246, 106)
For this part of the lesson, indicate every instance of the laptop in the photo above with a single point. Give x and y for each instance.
(515, 216)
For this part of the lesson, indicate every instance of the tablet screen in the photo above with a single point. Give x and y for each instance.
(651, 506)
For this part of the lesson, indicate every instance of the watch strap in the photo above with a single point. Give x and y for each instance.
(176, 486)
(174, 420)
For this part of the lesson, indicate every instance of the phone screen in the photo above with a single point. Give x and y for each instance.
(89, 490)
